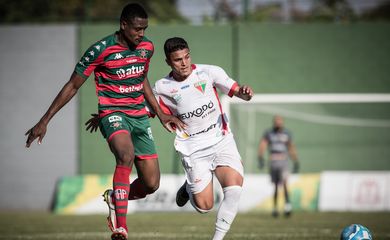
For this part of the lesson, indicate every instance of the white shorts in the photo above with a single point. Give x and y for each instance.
(200, 165)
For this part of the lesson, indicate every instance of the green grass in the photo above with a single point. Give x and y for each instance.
(163, 226)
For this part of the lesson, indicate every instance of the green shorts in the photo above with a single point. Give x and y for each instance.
(138, 127)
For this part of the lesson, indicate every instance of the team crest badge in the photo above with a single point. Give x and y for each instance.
(142, 53)
(116, 125)
(201, 86)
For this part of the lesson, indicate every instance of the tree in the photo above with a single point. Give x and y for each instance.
(43, 11)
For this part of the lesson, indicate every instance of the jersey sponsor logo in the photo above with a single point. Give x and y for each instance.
(201, 86)
(185, 86)
(129, 89)
(129, 72)
(197, 112)
(223, 220)
(116, 125)
(212, 126)
(280, 137)
(114, 118)
(177, 97)
(118, 56)
(132, 60)
(165, 82)
(208, 113)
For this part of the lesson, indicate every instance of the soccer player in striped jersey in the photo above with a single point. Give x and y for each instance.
(120, 63)
(207, 146)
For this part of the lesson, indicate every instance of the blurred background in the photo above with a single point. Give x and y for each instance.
(285, 47)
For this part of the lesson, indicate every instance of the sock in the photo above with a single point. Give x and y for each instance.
(287, 207)
(227, 211)
(121, 183)
(137, 190)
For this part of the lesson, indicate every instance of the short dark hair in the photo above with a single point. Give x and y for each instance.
(173, 44)
(131, 11)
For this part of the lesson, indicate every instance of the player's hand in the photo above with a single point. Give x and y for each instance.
(296, 167)
(261, 162)
(38, 131)
(92, 123)
(171, 122)
(245, 92)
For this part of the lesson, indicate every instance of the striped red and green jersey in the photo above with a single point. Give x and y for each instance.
(119, 74)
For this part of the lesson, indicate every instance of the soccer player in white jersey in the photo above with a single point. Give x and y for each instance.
(207, 146)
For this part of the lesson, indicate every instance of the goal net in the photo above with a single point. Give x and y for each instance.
(330, 131)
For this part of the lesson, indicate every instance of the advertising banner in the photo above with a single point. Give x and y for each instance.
(83, 194)
(355, 191)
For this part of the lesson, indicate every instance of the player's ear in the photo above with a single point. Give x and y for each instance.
(123, 25)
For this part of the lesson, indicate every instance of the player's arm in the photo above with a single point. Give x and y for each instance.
(244, 92)
(260, 151)
(167, 120)
(293, 155)
(227, 85)
(64, 96)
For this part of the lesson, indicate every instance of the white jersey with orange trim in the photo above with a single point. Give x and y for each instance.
(196, 102)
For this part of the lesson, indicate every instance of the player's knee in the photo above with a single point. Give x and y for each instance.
(202, 210)
(204, 206)
(151, 187)
(125, 158)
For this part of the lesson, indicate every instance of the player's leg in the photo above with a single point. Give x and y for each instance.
(123, 150)
(287, 205)
(229, 172)
(115, 129)
(146, 160)
(275, 178)
(275, 212)
(148, 180)
(203, 201)
(198, 187)
(286, 195)
(231, 183)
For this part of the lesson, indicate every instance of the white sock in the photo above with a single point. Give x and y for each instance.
(227, 211)
(287, 207)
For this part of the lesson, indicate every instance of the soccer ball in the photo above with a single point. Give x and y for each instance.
(355, 232)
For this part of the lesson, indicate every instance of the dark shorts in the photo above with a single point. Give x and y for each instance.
(138, 127)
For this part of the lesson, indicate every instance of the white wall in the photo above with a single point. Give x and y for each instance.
(355, 191)
(36, 61)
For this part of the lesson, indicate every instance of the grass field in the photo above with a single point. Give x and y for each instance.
(161, 226)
